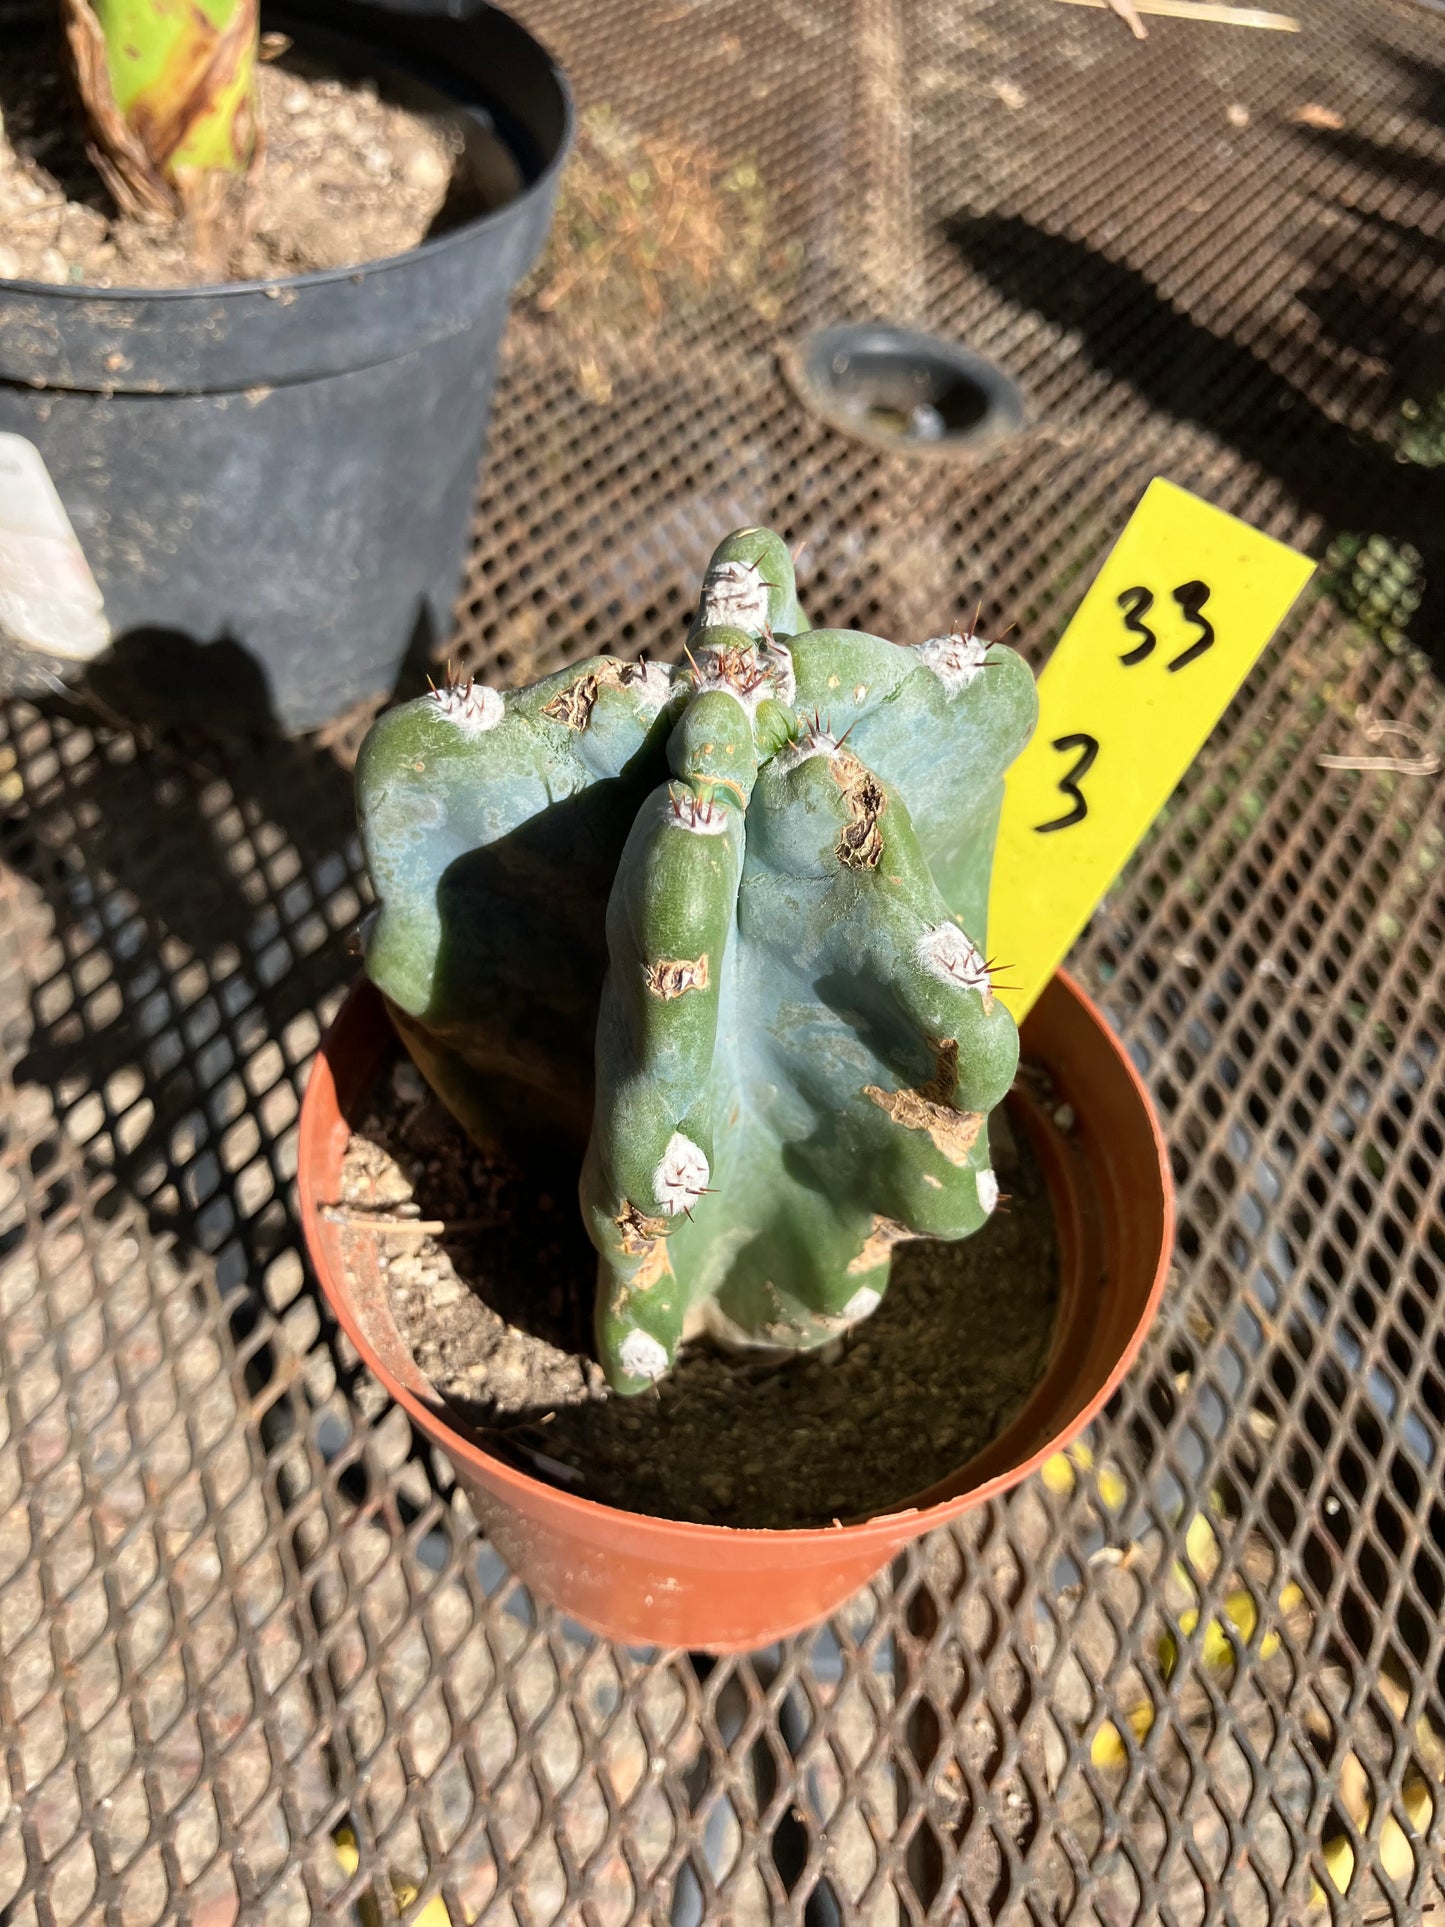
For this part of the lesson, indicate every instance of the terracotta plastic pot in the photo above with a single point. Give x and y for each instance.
(665, 1582)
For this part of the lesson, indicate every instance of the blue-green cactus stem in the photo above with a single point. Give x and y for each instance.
(672, 912)
(492, 825)
(749, 586)
(732, 916)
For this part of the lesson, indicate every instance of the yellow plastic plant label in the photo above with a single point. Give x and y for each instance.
(1173, 623)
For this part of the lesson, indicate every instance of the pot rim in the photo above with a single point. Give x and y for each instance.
(425, 249)
(435, 1420)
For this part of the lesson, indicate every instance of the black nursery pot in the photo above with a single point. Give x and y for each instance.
(273, 481)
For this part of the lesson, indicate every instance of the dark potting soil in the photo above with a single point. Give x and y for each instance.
(490, 1279)
(349, 174)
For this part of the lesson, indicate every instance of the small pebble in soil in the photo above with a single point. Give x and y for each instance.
(498, 1314)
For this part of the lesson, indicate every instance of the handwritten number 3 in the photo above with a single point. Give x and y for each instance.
(1088, 748)
(1191, 597)
(1136, 604)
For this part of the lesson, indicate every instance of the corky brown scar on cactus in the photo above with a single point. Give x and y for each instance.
(732, 915)
(930, 1108)
(860, 842)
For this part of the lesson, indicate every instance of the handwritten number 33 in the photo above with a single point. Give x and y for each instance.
(1136, 604)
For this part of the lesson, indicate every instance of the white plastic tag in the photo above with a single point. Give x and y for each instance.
(49, 601)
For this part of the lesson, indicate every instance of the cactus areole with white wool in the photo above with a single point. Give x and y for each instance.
(723, 924)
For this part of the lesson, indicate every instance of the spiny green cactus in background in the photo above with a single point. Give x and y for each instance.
(731, 916)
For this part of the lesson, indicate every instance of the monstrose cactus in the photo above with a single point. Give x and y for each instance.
(723, 923)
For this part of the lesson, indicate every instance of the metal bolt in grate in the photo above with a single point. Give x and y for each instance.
(1201, 1676)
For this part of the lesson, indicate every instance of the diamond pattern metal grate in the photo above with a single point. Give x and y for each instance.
(1198, 1676)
